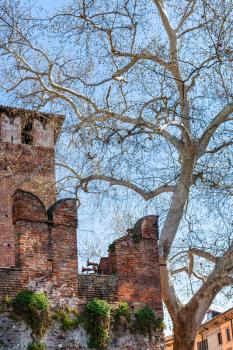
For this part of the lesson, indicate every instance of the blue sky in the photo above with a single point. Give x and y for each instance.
(49, 4)
(90, 224)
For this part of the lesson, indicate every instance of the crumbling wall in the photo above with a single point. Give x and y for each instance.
(134, 259)
(16, 336)
(38, 241)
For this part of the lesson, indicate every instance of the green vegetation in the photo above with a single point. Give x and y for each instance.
(2, 344)
(121, 317)
(69, 318)
(33, 307)
(97, 323)
(112, 247)
(146, 321)
(36, 346)
(137, 237)
(7, 300)
(123, 310)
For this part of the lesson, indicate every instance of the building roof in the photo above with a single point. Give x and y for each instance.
(215, 321)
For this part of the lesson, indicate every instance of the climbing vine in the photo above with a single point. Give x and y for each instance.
(69, 318)
(34, 308)
(121, 317)
(146, 321)
(98, 318)
(97, 323)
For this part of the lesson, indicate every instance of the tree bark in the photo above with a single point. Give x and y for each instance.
(183, 342)
(185, 329)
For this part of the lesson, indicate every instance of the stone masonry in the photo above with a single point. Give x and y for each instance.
(38, 240)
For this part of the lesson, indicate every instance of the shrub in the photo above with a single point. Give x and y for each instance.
(40, 301)
(123, 310)
(97, 323)
(36, 346)
(69, 318)
(121, 317)
(146, 321)
(33, 307)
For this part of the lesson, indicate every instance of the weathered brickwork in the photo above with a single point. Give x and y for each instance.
(38, 239)
(36, 236)
(25, 163)
(134, 259)
(11, 281)
(98, 286)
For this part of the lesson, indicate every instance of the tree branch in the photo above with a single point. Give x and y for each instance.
(188, 12)
(220, 118)
(219, 148)
(204, 254)
(113, 181)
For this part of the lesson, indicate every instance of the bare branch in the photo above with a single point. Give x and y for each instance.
(204, 254)
(188, 12)
(186, 270)
(113, 182)
(219, 148)
(220, 118)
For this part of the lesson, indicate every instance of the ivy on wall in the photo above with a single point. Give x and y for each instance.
(99, 318)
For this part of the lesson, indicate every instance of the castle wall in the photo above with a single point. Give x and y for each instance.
(63, 216)
(38, 239)
(11, 281)
(30, 170)
(45, 245)
(30, 167)
(97, 286)
(135, 260)
(16, 336)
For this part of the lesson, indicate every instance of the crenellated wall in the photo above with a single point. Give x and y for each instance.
(26, 162)
(38, 235)
(46, 244)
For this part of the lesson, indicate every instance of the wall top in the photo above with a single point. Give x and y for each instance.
(14, 119)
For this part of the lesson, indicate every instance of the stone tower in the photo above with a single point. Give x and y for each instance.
(37, 234)
(26, 162)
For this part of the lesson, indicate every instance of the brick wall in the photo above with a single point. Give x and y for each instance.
(38, 237)
(18, 174)
(135, 260)
(63, 216)
(97, 286)
(46, 244)
(29, 167)
(12, 280)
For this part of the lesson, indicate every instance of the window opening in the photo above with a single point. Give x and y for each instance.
(27, 134)
(202, 345)
(228, 335)
(220, 338)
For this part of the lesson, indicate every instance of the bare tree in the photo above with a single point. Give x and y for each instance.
(147, 89)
